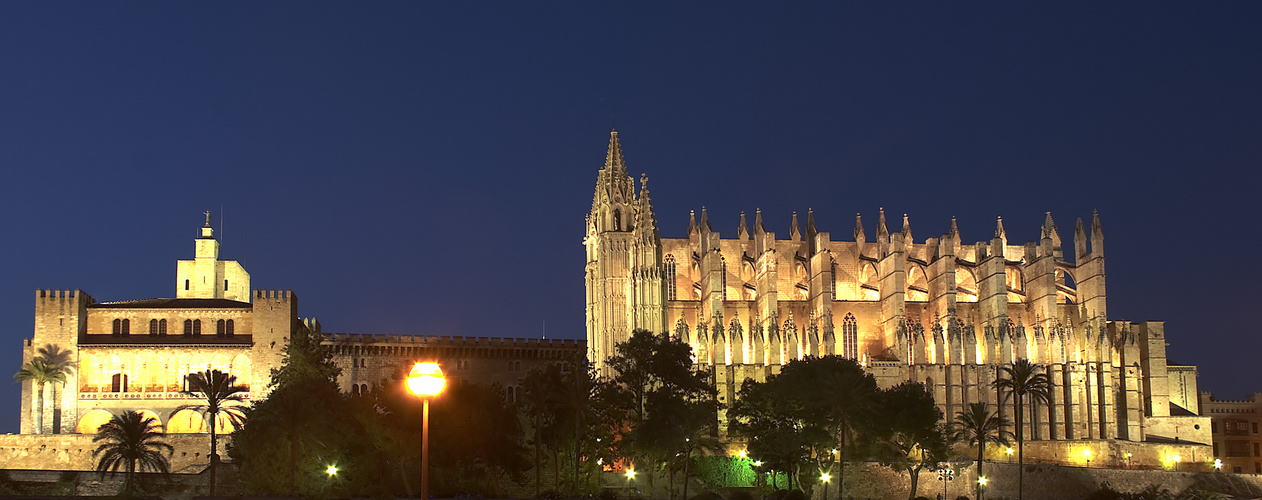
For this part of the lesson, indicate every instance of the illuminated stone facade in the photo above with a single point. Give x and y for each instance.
(937, 310)
(1235, 428)
(136, 355)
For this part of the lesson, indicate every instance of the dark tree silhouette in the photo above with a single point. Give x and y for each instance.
(134, 443)
(223, 399)
(1023, 382)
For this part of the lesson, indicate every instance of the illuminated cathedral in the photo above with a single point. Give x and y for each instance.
(935, 310)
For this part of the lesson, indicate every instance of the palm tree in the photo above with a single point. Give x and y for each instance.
(1023, 381)
(134, 442)
(223, 399)
(59, 359)
(977, 426)
(39, 372)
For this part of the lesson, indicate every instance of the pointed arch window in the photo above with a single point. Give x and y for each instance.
(833, 271)
(849, 337)
(617, 220)
(670, 277)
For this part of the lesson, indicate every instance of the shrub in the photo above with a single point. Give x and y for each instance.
(740, 495)
(549, 495)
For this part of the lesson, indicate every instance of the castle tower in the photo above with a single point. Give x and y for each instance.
(624, 261)
(207, 277)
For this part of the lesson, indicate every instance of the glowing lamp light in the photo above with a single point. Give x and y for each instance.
(1009, 450)
(630, 473)
(1176, 458)
(1087, 453)
(825, 477)
(981, 480)
(331, 471)
(426, 380)
(758, 463)
(1218, 463)
(743, 453)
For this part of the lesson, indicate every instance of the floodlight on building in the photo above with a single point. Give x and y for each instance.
(631, 474)
(331, 471)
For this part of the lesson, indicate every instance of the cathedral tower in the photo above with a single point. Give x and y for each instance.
(624, 278)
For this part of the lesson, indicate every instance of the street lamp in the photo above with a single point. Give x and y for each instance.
(1009, 450)
(1128, 460)
(981, 480)
(331, 471)
(425, 381)
(824, 476)
(1176, 459)
(1087, 454)
(945, 475)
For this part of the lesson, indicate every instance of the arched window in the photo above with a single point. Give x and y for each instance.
(118, 382)
(617, 220)
(225, 285)
(219, 328)
(833, 270)
(355, 389)
(162, 327)
(188, 328)
(118, 327)
(230, 328)
(126, 327)
(849, 337)
(670, 277)
(197, 328)
(512, 396)
(153, 327)
(186, 284)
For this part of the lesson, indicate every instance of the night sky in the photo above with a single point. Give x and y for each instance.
(425, 168)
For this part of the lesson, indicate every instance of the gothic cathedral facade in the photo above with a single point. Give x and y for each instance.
(937, 311)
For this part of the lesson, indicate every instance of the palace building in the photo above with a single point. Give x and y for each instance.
(935, 310)
(137, 354)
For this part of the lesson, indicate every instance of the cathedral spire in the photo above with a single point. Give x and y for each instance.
(858, 227)
(741, 232)
(794, 233)
(1097, 235)
(954, 232)
(613, 158)
(758, 227)
(705, 220)
(999, 232)
(882, 234)
(1049, 227)
(645, 218)
(906, 230)
(810, 224)
(692, 221)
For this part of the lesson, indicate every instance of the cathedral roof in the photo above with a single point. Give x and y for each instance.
(173, 304)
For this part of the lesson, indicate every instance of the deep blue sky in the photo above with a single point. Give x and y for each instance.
(421, 168)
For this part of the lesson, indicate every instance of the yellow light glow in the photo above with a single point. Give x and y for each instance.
(1009, 450)
(1218, 463)
(331, 471)
(982, 480)
(743, 453)
(630, 473)
(1087, 453)
(1176, 458)
(426, 380)
(757, 463)
(825, 477)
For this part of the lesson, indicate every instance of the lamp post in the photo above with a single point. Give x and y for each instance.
(824, 476)
(425, 381)
(1087, 453)
(1128, 460)
(982, 481)
(945, 475)
(1176, 461)
(1009, 450)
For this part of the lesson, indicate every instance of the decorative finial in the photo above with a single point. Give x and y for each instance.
(207, 218)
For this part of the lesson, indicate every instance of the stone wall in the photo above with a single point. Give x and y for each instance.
(73, 452)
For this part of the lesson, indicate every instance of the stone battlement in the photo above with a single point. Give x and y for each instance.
(447, 340)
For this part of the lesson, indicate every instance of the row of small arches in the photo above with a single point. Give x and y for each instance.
(151, 372)
(158, 327)
(179, 422)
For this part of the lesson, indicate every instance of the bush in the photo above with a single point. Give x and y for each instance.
(740, 495)
(549, 495)
(795, 495)
(608, 495)
(706, 496)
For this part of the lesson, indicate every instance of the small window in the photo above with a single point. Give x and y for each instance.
(230, 328)
(225, 285)
(118, 328)
(220, 328)
(1255, 427)
(197, 328)
(162, 327)
(1255, 450)
(126, 327)
(188, 328)
(153, 327)
(186, 284)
